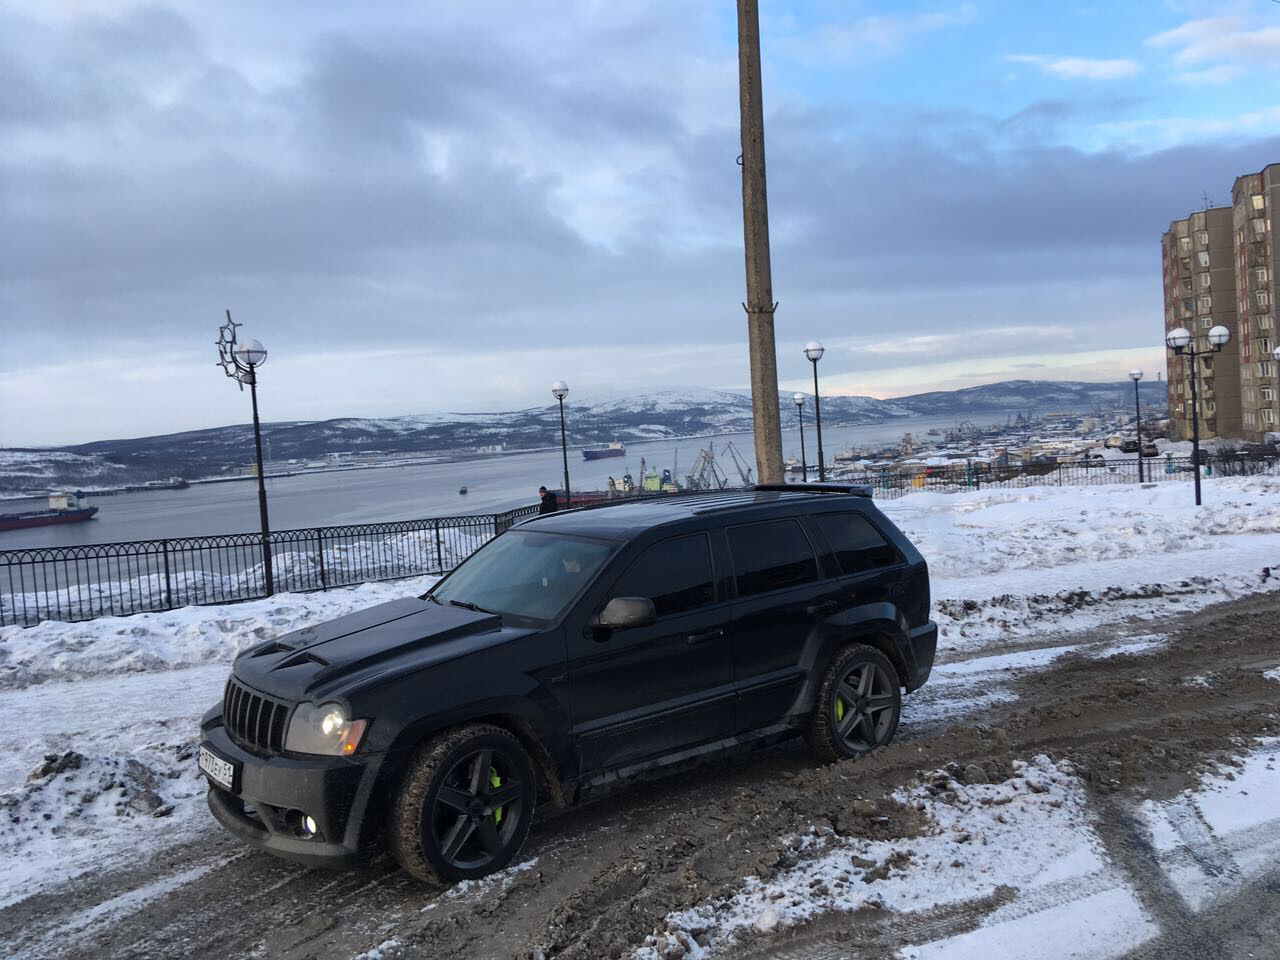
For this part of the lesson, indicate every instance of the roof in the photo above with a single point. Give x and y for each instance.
(624, 519)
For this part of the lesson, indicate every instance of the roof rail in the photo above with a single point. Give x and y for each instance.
(853, 489)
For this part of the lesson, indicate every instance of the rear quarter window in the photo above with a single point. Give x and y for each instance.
(858, 547)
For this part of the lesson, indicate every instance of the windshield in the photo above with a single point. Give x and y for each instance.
(525, 574)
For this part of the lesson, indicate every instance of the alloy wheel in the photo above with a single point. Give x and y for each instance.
(476, 810)
(863, 707)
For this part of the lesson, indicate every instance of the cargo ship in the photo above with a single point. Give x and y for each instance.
(62, 508)
(615, 449)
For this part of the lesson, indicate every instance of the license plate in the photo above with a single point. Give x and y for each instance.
(222, 772)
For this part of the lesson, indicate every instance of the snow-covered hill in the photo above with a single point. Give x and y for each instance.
(675, 412)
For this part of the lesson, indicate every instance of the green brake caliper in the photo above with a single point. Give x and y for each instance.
(495, 781)
(839, 709)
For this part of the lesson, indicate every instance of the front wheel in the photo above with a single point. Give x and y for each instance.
(465, 805)
(858, 704)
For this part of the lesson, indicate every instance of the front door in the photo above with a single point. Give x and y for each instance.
(651, 691)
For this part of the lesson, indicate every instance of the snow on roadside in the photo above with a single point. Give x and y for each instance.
(1031, 833)
(176, 638)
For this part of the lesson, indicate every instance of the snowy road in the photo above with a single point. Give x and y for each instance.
(1085, 701)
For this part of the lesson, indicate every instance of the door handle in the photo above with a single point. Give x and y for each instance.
(826, 606)
(704, 637)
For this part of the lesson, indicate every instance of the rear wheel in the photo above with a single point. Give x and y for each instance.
(465, 805)
(858, 704)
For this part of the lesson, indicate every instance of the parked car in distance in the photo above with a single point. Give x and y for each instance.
(1149, 450)
(574, 651)
(1129, 446)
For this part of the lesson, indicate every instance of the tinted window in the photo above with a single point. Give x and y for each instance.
(857, 545)
(771, 556)
(675, 575)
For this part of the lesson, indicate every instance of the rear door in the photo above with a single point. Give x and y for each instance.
(650, 691)
(870, 568)
(781, 594)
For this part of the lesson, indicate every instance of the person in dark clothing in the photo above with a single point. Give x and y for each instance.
(549, 502)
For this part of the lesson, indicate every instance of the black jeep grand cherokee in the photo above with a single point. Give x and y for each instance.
(575, 649)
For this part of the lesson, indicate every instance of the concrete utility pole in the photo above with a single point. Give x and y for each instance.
(755, 228)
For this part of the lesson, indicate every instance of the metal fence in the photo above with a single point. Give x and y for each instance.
(118, 579)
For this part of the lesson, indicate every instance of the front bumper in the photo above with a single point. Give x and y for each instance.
(924, 646)
(270, 794)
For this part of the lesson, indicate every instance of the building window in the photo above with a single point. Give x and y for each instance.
(1259, 228)
(1263, 322)
(1265, 344)
(1204, 281)
(1264, 368)
(1267, 415)
(1206, 303)
(1186, 263)
(1257, 200)
(1202, 237)
(1184, 244)
(1186, 285)
(1264, 298)
(1210, 408)
(1260, 275)
(1203, 257)
(1267, 394)
(1206, 323)
(1179, 408)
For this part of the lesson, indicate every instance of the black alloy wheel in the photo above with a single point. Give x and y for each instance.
(465, 804)
(476, 809)
(857, 706)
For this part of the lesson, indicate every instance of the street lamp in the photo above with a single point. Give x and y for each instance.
(798, 399)
(1135, 375)
(814, 351)
(1180, 341)
(240, 362)
(560, 390)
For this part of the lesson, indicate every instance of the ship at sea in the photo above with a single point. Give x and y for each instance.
(63, 508)
(615, 449)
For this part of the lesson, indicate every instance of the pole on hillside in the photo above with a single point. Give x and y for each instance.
(755, 227)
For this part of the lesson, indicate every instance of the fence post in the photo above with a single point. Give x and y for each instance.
(324, 585)
(168, 582)
(439, 551)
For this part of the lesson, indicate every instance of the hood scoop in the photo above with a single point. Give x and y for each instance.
(305, 657)
(273, 647)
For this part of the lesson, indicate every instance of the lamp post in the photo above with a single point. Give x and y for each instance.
(814, 351)
(560, 390)
(240, 362)
(1135, 375)
(798, 399)
(1181, 342)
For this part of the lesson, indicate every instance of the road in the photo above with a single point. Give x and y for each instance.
(1141, 712)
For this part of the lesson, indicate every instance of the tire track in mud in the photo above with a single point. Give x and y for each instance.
(608, 873)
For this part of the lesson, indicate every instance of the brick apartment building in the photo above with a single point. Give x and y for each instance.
(1220, 269)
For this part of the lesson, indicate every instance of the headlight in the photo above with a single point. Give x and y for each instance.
(324, 729)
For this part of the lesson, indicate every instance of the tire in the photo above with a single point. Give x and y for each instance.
(857, 706)
(453, 821)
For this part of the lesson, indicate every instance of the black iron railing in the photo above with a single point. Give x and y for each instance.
(118, 579)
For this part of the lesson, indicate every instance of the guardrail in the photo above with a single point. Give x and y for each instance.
(118, 579)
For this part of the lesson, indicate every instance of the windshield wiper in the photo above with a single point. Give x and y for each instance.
(470, 606)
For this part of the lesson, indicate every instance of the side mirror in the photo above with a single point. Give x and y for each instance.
(624, 613)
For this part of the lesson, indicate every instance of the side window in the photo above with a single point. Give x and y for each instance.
(675, 575)
(771, 556)
(857, 545)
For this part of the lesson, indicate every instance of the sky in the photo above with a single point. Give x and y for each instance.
(438, 206)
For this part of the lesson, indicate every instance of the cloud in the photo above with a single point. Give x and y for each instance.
(872, 36)
(1221, 38)
(1212, 76)
(1079, 68)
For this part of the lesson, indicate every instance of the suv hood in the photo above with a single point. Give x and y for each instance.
(327, 658)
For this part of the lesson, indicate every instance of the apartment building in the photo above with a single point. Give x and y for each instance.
(1254, 199)
(1200, 289)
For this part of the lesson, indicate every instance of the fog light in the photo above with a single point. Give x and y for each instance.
(309, 827)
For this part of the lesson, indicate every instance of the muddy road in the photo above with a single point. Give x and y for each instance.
(1139, 714)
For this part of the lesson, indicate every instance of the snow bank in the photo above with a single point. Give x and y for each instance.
(175, 638)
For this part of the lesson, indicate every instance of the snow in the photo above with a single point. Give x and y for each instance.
(1032, 833)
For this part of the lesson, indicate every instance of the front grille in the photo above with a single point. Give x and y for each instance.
(253, 720)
